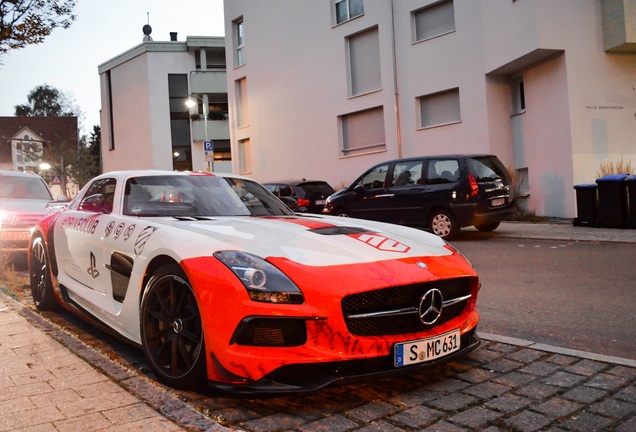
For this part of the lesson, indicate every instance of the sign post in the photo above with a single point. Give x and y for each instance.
(208, 148)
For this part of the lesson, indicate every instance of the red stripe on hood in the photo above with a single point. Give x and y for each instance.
(307, 223)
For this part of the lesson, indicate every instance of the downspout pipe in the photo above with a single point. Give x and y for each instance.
(396, 97)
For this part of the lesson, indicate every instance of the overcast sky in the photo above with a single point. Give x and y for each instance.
(68, 59)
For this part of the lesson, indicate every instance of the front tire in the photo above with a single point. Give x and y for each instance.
(40, 277)
(443, 224)
(171, 330)
(342, 213)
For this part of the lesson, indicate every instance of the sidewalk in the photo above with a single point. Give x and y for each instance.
(47, 386)
(563, 230)
(51, 381)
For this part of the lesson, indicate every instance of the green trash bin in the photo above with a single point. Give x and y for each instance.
(612, 201)
(586, 205)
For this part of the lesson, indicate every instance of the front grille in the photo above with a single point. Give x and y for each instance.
(396, 308)
(271, 332)
(22, 221)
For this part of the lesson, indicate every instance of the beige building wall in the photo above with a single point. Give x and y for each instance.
(580, 97)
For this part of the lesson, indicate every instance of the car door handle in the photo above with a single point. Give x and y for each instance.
(385, 196)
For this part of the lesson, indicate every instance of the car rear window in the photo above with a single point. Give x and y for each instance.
(487, 169)
(320, 188)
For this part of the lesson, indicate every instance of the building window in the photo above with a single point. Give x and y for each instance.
(242, 118)
(239, 37)
(363, 132)
(245, 156)
(348, 9)
(439, 108)
(434, 20)
(518, 96)
(28, 153)
(110, 120)
(180, 122)
(364, 62)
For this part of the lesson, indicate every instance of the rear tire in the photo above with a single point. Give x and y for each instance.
(487, 227)
(40, 277)
(171, 330)
(443, 224)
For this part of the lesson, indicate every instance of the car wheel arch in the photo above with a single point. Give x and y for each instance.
(188, 375)
(155, 264)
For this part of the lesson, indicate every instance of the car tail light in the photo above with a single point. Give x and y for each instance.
(474, 187)
(303, 202)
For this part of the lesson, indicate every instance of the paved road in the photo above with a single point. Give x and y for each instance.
(577, 295)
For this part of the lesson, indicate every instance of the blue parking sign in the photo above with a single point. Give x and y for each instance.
(208, 145)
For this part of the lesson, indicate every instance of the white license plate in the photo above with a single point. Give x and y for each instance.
(320, 202)
(16, 235)
(424, 350)
(497, 202)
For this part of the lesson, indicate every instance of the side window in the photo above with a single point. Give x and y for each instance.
(442, 171)
(286, 191)
(375, 178)
(100, 196)
(407, 173)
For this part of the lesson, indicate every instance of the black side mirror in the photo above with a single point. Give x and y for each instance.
(359, 189)
(93, 203)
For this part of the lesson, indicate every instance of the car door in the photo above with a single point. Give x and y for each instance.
(370, 197)
(78, 241)
(442, 177)
(408, 189)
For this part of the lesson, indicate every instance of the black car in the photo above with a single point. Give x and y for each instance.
(305, 196)
(440, 193)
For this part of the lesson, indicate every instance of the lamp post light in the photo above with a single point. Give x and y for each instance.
(190, 103)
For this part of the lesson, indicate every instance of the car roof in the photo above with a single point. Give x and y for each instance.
(126, 174)
(294, 183)
(8, 173)
(438, 157)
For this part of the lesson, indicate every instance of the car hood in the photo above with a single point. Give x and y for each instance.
(315, 240)
(25, 206)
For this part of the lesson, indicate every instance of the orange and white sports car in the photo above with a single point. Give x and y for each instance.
(219, 282)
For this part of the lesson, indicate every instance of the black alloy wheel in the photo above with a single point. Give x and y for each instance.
(40, 277)
(171, 330)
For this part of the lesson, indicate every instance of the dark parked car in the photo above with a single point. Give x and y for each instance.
(440, 193)
(307, 196)
(24, 199)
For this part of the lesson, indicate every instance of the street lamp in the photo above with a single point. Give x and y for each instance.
(191, 103)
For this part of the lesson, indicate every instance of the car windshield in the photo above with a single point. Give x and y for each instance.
(199, 195)
(32, 188)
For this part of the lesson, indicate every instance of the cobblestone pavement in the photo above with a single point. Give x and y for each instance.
(51, 381)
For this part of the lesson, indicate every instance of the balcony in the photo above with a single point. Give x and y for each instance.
(217, 129)
(208, 81)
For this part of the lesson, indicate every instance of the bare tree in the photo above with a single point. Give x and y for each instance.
(27, 22)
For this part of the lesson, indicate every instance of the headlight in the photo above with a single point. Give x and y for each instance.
(263, 281)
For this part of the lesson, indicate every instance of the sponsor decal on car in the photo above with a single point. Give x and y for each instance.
(382, 243)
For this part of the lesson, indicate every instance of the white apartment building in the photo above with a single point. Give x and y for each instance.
(145, 121)
(326, 88)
